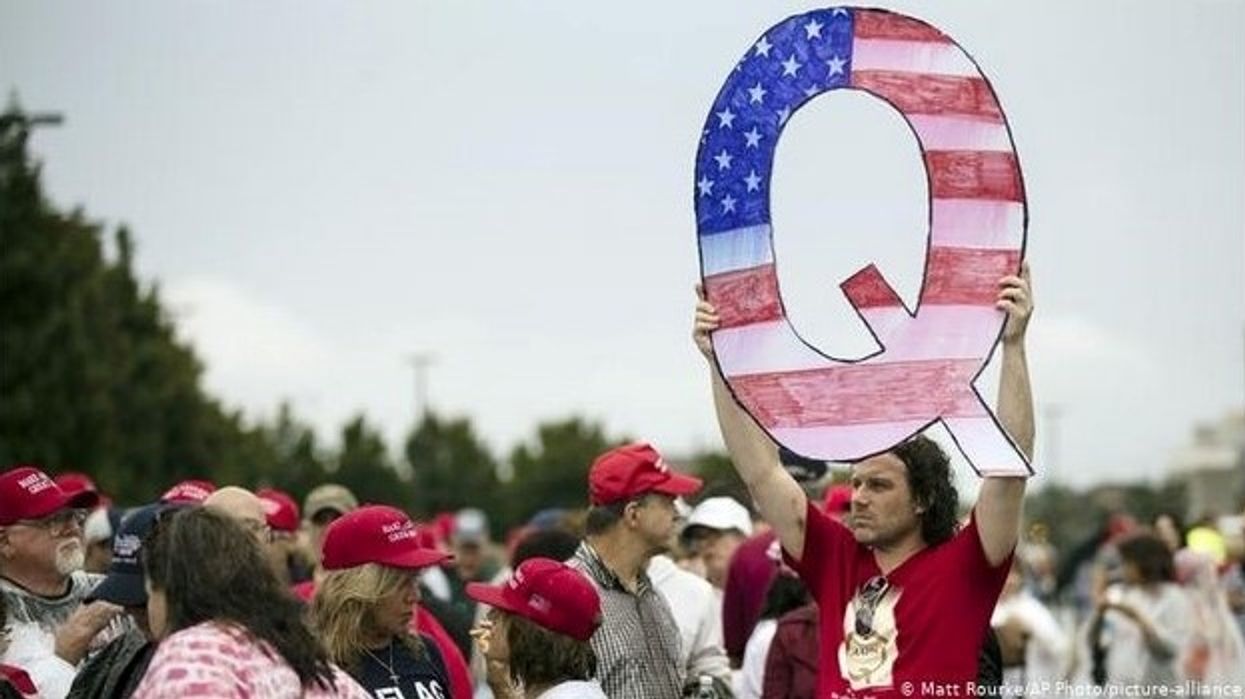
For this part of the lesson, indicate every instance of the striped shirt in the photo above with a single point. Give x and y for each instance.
(637, 645)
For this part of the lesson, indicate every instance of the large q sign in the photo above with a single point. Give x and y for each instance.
(843, 410)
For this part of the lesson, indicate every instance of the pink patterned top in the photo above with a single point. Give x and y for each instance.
(217, 660)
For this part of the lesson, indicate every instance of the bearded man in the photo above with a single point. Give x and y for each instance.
(41, 557)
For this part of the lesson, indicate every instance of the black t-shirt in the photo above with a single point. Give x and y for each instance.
(421, 676)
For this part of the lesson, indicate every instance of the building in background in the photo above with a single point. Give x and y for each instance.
(1212, 467)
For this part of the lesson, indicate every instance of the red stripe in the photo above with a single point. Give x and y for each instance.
(974, 174)
(868, 289)
(875, 24)
(920, 93)
(966, 276)
(862, 393)
(745, 296)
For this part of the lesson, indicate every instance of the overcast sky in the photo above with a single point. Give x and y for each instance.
(321, 189)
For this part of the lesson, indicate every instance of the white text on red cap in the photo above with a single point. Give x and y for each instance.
(36, 483)
(398, 531)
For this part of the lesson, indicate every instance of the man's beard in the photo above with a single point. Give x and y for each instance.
(70, 556)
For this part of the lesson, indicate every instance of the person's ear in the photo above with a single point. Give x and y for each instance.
(631, 512)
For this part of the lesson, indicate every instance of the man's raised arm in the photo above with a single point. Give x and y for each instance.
(1000, 502)
(779, 498)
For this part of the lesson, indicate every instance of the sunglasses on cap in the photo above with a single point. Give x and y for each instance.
(867, 599)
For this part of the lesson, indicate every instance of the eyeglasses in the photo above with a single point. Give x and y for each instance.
(57, 521)
(867, 599)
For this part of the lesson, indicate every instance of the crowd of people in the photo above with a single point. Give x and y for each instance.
(856, 589)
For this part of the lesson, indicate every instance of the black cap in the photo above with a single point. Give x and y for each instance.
(124, 583)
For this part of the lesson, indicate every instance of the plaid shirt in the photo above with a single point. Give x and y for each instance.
(637, 645)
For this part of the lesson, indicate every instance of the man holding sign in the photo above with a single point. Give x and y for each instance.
(905, 598)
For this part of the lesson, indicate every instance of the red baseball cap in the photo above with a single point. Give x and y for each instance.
(279, 509)
(632, 470)
(376, 534)
(189, 492)
(71, 482)
(551, 594)
(837, 499)
(28, 493)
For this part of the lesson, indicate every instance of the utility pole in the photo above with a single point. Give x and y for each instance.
(1052, 414)
(24, 121)
(421, 362)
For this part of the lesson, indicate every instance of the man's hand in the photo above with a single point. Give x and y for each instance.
(706, 321)
(73, 638)
(1016, 299)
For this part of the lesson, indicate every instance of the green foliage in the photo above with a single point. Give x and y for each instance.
(1069, 516)
(364, 466)
(452, 467)
(296, 463)
(92, 377)
(552, 471)
(718, 473)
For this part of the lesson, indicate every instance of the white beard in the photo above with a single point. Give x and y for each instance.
(70, 557)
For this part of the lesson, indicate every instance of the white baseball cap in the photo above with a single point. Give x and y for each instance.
(721, 513)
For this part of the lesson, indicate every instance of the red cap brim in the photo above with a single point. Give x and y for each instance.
(85, 499)
(492, 595)
(416, 559)
(678, 484)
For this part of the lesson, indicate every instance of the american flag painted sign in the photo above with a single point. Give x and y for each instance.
(843, 410)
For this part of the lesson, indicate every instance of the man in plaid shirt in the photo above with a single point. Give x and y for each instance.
(632, 491)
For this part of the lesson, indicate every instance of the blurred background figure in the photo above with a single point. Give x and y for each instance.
(697, 610)
(778, 667)
(97, 533)
(325, 503)
(715, 529)
(292, 562)
(192, 491)
(1217, 651)
(1032, 644)
(1141, 627)
(474, 560)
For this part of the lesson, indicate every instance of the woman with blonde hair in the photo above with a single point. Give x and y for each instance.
(364, 604)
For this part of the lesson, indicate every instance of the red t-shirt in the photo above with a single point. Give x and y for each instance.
(927, 622)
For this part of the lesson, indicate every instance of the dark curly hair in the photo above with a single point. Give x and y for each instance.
(929, 479)
(211, 569)
(1150, 555)
(540, 657)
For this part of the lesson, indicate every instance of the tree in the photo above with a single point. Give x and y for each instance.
(552, 471)
(721, 479)
(451, 467)
(92, 377)
(298, 463)
(364, 466)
